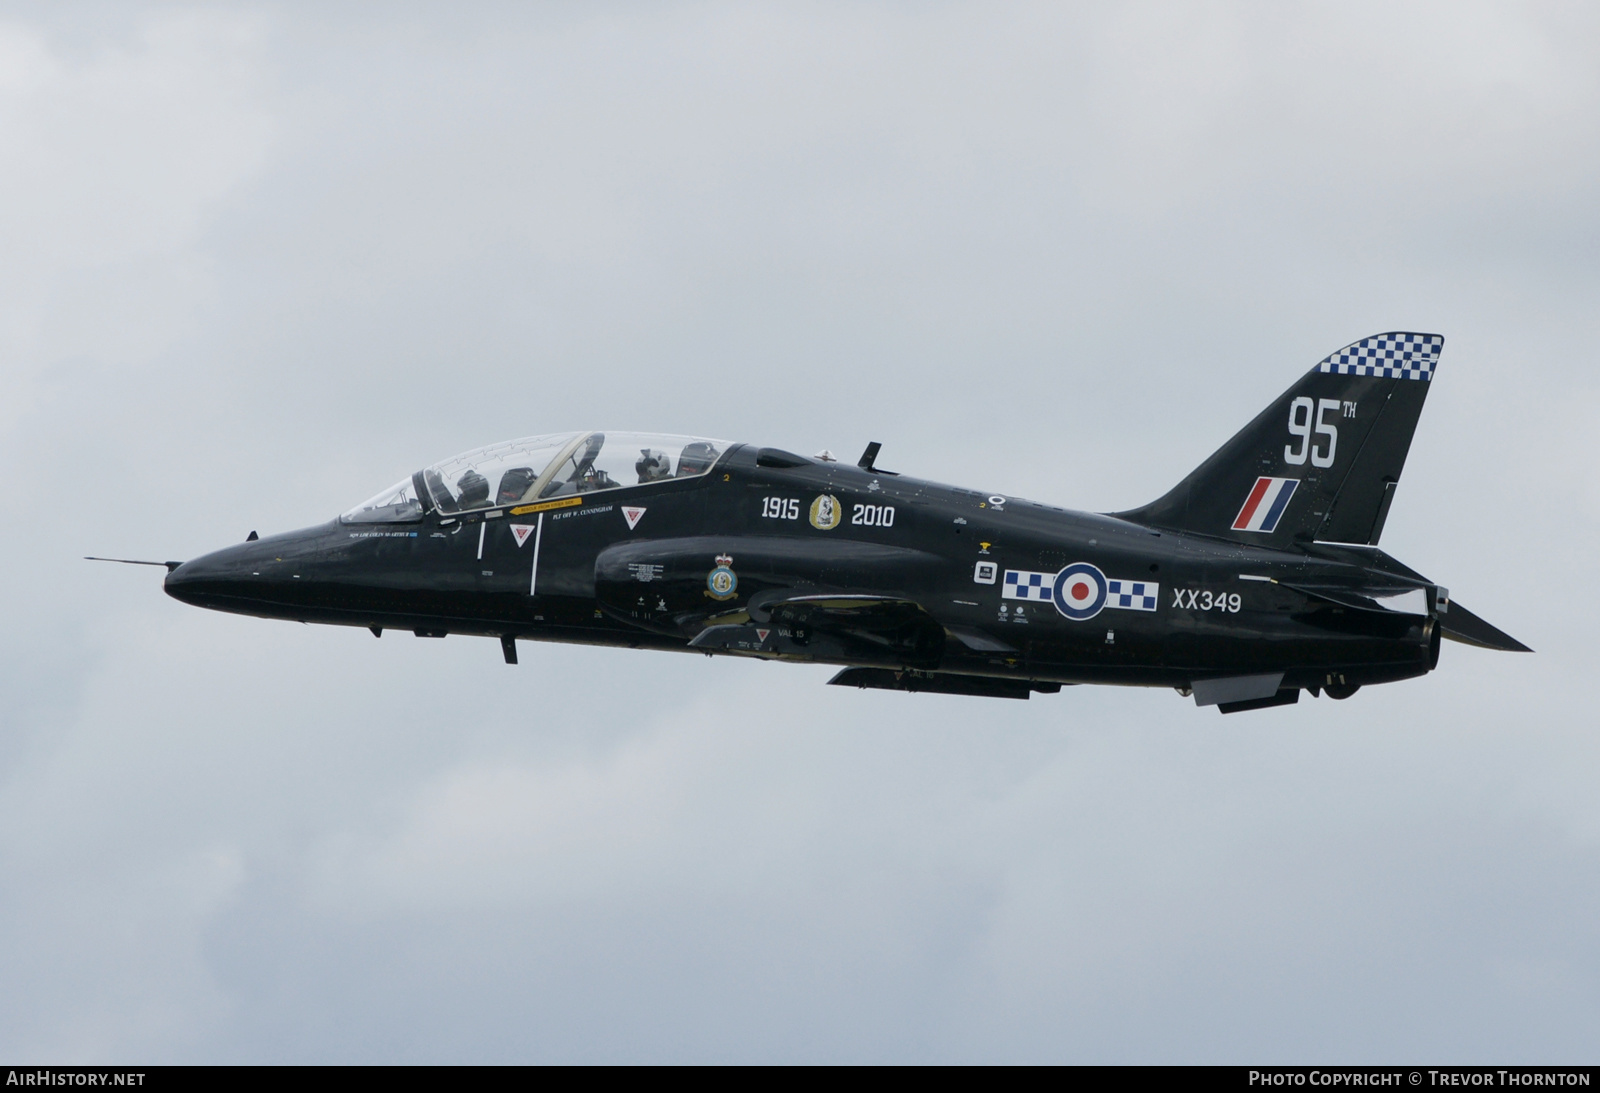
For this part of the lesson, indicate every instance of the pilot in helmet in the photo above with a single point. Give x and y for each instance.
(474, 489)
(513, 484)
(654, 465)
(696, 458)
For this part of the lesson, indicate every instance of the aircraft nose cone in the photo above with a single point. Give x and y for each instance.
(198, 581)
(259, 576)
(178, 582)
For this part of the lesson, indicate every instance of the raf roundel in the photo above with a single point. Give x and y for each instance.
(1080, 591)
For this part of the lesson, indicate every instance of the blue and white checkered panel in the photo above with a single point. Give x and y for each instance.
(1393, 356)
(1022, 585)
(1132, 595)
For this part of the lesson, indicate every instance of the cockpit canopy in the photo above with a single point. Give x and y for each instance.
(537, 468)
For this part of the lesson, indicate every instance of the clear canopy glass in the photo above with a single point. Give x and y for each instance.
(500, 474)
(520, 472)
(397, 503)
(606, 461)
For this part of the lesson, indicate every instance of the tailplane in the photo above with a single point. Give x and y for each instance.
(1322, 462)
(1459, 624)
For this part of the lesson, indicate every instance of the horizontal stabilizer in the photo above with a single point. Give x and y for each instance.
(1462, 625)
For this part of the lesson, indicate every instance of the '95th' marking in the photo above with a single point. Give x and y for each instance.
(1196, 599)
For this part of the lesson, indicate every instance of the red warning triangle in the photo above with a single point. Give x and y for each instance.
(632, 515)
(761, 635)
(521, 531)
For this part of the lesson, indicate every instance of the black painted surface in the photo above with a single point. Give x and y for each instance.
(795, 558)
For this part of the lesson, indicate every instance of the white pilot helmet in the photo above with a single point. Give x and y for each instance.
(653, 464)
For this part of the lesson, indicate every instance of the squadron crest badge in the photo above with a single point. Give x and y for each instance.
(722, 583)
(826, 513)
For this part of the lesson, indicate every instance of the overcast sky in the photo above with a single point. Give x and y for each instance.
(259, 261)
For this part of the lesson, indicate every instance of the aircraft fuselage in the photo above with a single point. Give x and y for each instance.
(585, 569)
(1255, 578)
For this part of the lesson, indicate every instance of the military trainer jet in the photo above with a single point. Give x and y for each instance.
(1255, 578)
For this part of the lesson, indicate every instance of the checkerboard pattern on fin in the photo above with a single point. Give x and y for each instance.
(1393, 356)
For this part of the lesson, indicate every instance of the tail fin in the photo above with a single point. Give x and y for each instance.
(1321, 462)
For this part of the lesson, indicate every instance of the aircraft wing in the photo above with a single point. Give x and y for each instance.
(886, 628)
(864, 613)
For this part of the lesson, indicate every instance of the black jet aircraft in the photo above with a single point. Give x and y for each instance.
(1255, 578)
